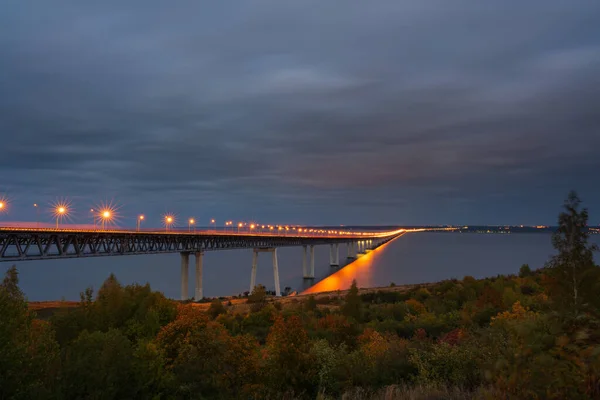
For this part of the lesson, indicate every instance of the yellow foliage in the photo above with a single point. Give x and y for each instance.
(517, 313)
(415, 306)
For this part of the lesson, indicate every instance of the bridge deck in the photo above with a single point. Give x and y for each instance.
(27, 243)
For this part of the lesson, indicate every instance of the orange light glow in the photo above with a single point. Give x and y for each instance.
(141, 217)
(251, 226)
(192, 221)
(360, 270)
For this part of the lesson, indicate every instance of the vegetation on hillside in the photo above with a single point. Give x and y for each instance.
(532, 335)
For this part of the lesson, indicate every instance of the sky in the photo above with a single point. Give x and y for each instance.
(308, 112)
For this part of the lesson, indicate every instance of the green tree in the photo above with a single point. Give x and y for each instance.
(99, 365)
(216, 308)
(353, 306)
(258, 298)
(524, 271)
(572, 269)
(29, 354)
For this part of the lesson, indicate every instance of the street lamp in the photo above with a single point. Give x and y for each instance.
(106, 216)
(60, 212)
(139, 222)
(212, 222)
(169, 219)
(190, 223)
(37, 215)
(93, 217)
(239, 226)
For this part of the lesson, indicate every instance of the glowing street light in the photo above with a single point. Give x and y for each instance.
(60, 211)
(239, 226)
(106, 215)
(139, 221)
(169, 220)
(212, 222)
(190, 223)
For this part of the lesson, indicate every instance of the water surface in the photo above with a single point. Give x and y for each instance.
(412, 258)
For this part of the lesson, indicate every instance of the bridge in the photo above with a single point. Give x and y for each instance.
(28, 241)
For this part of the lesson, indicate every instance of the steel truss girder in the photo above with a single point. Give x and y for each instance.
(27, 245)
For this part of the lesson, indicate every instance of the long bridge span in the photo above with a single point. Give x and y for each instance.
(23, 241)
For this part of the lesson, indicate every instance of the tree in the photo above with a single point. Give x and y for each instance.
(288, 362)
(572, 269)
(99, 365)
(29, 354)
(216, 308)
(258, 298)
(353, 306)
(524, 271)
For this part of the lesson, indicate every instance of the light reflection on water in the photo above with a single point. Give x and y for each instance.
(361, 269)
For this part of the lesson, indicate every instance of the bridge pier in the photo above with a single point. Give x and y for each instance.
(308, 270)
(305, 262)
(185, 265)
(334, 255)
(352, 246)
(273, 251)
(198, 294)
(312, 261)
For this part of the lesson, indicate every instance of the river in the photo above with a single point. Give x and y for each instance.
(411, 258)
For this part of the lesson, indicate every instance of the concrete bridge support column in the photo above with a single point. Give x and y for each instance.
(312, 261)
(304, 262)
(334, 255)
(276, 273)
(349, 250)
(185, 265)
(253, 273)
(273, 251)
(198, 295)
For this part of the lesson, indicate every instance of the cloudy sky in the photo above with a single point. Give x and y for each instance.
(332, 112)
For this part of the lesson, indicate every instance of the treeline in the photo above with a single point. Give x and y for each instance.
(533, 335)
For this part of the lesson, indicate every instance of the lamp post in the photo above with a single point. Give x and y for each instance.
(60, 212)
(168, 222)
(212, 223)
(37, 215)
(139, 222)
(106, 216)
(190, 223)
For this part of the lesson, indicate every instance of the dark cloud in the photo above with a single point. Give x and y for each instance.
(399, 112)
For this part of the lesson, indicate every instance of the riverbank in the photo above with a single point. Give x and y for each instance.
(44, 309)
